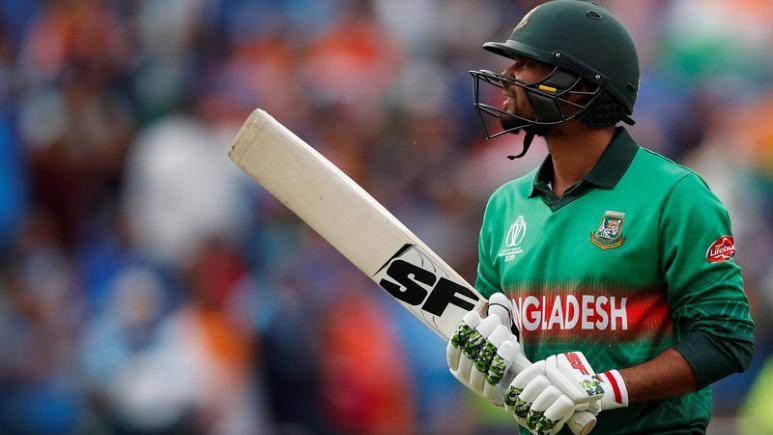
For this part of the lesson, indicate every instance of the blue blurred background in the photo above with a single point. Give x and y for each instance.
(148, 287)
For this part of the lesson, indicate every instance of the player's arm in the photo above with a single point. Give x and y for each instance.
(705, 288)
(706, 296)
(487, 280)
(667, 375)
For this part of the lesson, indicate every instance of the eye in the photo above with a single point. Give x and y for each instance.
(520, 63)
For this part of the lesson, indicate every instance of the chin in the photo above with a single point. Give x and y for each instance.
(516, 125)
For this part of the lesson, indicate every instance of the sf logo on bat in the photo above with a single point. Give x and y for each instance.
(409, 274)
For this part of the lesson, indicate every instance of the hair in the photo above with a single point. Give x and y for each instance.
(605, 111)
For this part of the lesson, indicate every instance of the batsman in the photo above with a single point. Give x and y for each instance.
(614, 265)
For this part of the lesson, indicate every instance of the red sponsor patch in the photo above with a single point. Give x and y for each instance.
(576, 363)
(721, 250)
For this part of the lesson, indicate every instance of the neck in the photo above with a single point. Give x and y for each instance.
(574, 151)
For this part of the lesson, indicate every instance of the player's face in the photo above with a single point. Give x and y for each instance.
(528, 71)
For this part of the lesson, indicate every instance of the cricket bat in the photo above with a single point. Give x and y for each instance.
(361, 229)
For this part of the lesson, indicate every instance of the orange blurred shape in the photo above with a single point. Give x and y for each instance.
(753, 130)
(353, 60)
(225, 343)
(87, 29)
(365, 385)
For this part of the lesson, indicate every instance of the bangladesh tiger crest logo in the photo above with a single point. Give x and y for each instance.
(610, 231)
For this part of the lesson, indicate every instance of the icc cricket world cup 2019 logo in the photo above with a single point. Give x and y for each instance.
(513, 238)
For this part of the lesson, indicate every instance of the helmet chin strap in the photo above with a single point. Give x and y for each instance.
(514, 125)
(526, 144)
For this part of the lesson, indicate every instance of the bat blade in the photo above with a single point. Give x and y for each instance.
(351, 220)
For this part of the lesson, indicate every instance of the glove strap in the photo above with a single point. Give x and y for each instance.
(619, 392)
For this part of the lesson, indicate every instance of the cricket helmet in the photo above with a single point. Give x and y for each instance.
(591, 53)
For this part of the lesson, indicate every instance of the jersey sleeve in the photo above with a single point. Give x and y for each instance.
(487, 280)
(705, 289)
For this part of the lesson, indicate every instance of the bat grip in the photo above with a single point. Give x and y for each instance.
(581, 423)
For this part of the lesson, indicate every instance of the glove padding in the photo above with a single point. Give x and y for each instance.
(481, 352)
(546, 394)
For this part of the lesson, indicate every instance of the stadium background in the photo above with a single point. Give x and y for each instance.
(147, 287)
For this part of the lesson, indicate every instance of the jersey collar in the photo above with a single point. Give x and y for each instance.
(609, 169)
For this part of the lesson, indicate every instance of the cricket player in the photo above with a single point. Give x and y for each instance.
(616, 264)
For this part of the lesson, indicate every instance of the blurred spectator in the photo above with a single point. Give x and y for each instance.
(131, 359)
(39, 310)
(180, 191)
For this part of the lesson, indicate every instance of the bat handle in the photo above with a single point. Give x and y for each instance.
(581, 423)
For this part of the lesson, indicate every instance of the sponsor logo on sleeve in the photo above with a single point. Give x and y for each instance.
(722, 249)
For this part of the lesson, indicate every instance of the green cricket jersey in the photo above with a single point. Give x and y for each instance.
(634, 259)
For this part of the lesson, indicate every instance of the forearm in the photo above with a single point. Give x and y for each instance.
(665, 376)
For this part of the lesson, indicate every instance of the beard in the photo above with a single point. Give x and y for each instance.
(515, 125)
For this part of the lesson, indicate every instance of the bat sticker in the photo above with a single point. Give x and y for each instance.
(413, 278)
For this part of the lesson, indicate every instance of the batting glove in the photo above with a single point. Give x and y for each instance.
(546, 394)
(482, 351)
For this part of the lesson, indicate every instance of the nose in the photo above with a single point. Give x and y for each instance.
(508, 89)
(509, 71)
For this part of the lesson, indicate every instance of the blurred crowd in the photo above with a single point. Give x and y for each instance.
(148, 287)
